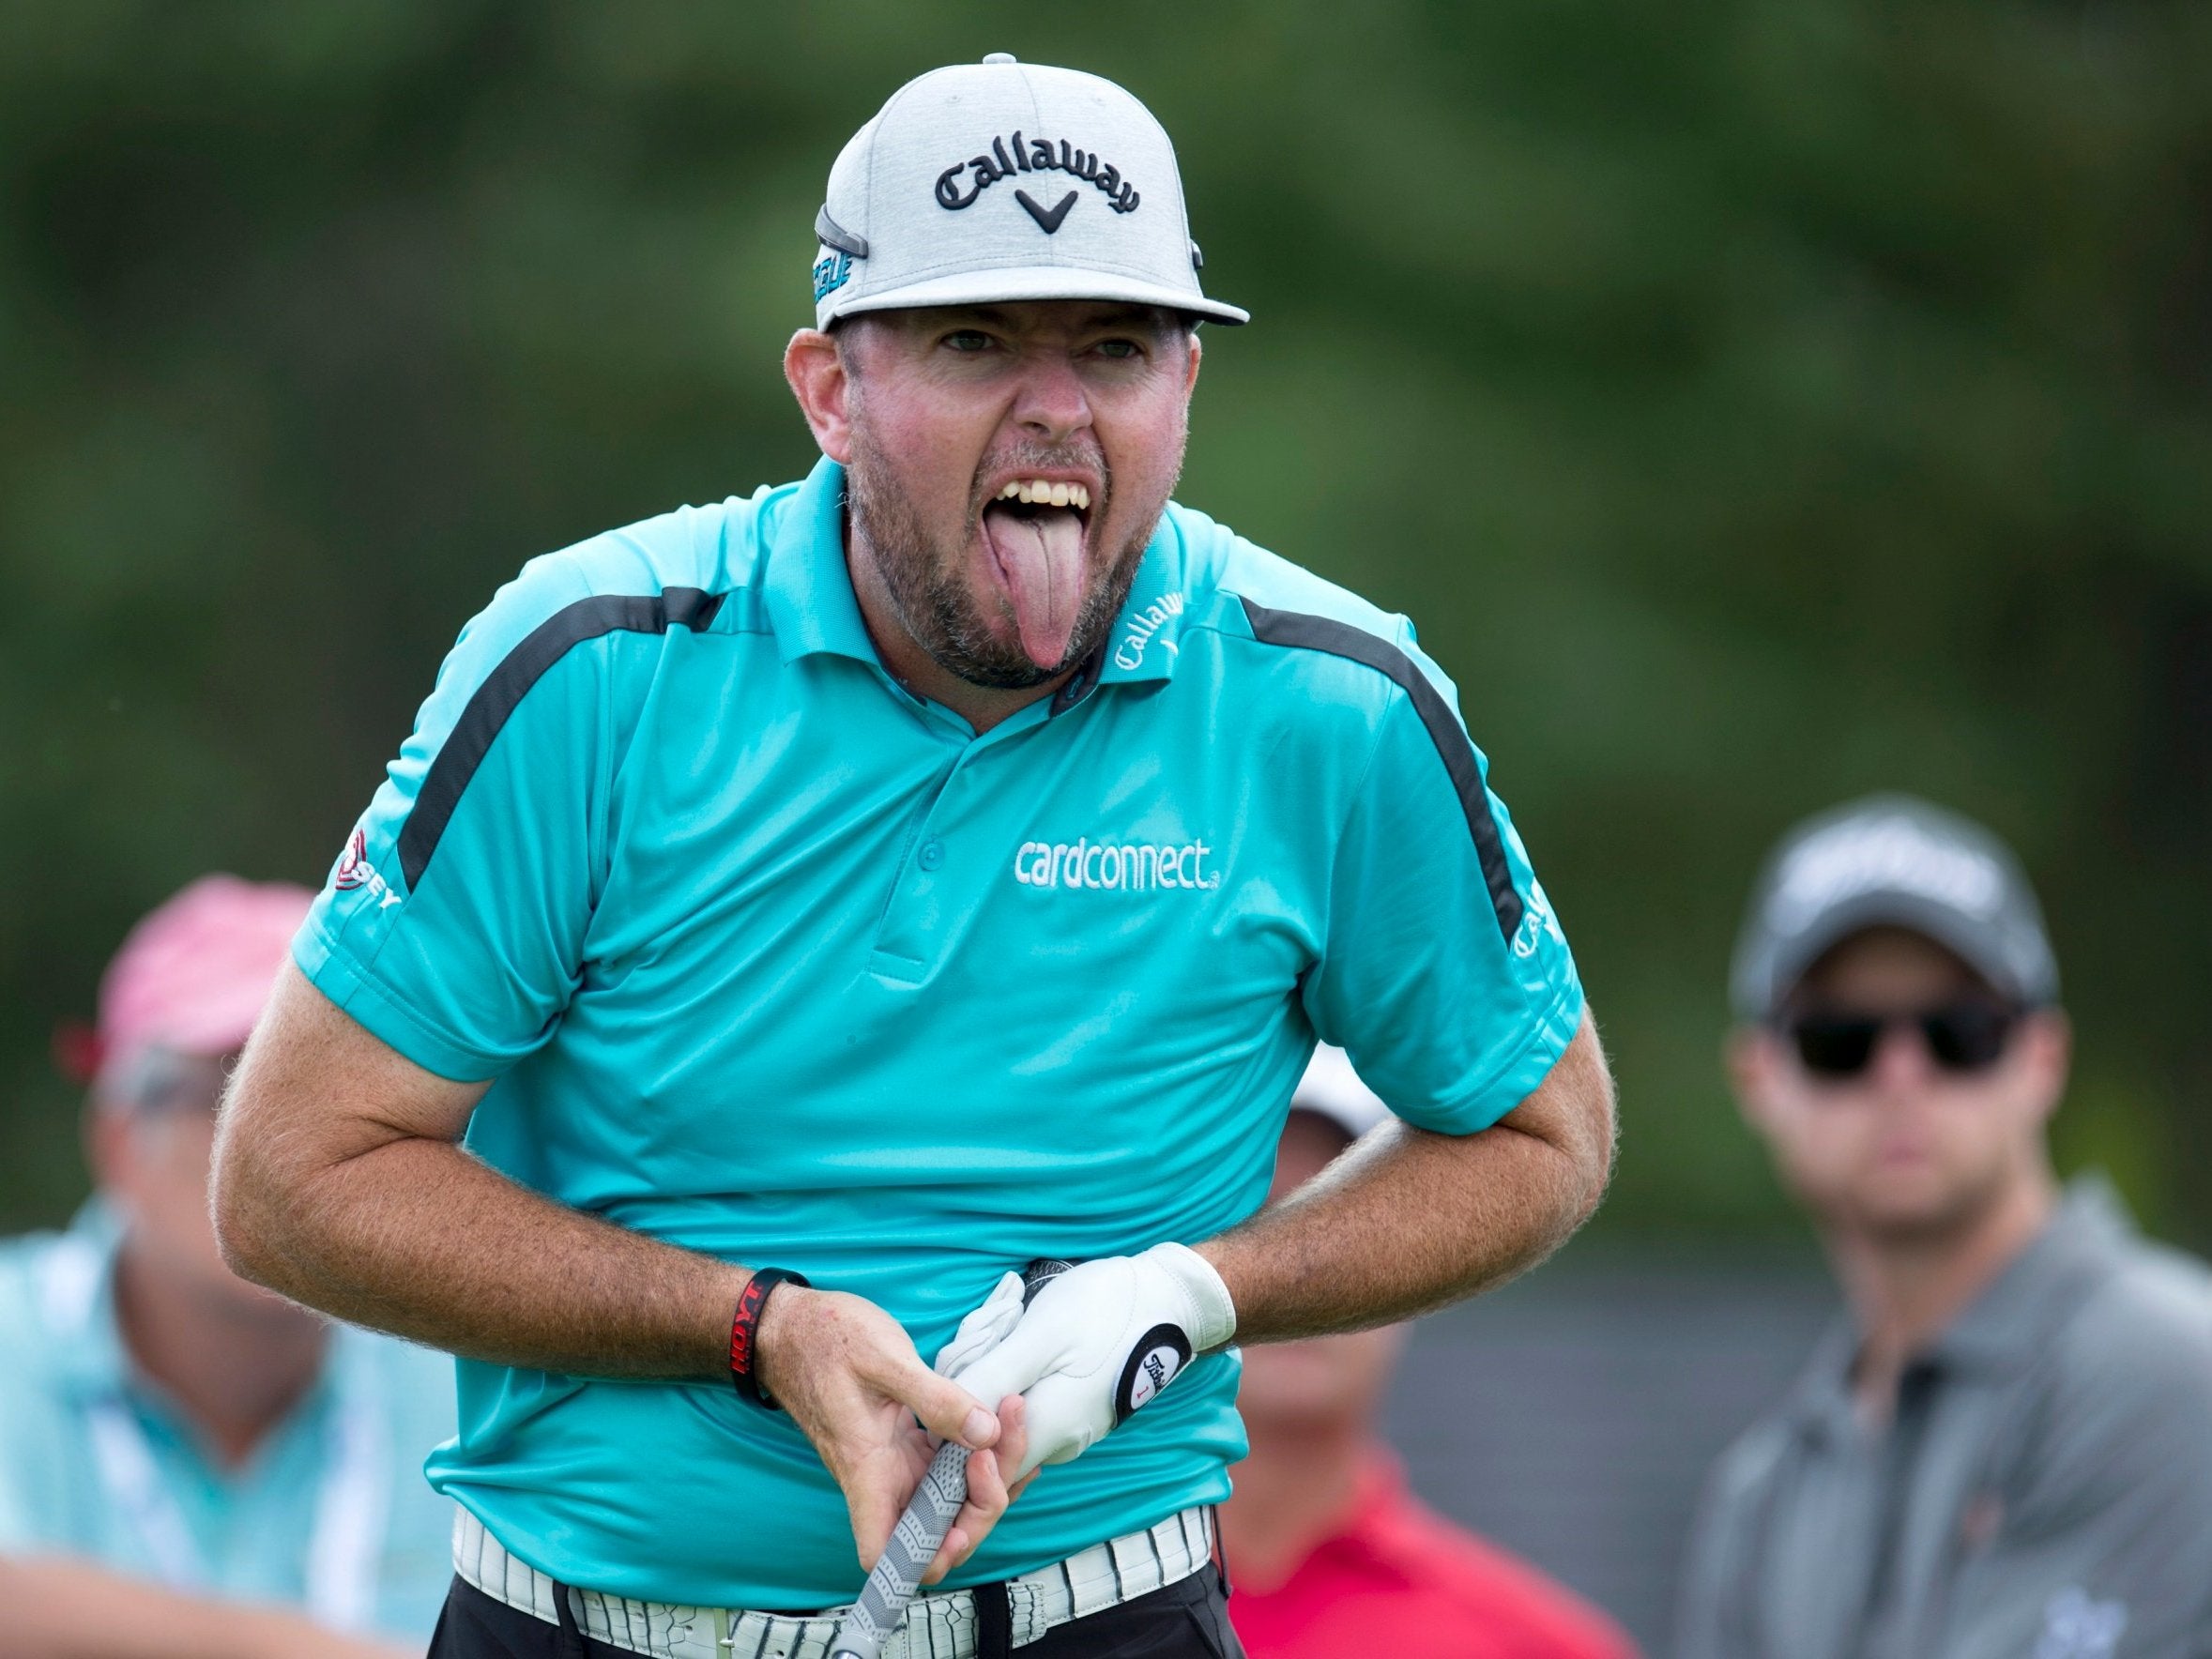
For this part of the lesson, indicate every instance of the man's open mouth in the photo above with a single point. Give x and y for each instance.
(1034, 528)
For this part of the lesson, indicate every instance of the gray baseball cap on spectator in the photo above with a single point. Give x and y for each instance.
(1891, 860)
(1332, 1090)
(1007, 181)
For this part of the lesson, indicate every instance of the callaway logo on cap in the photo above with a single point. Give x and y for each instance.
(1005, 181)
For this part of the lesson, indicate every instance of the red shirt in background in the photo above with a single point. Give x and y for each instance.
(1398, 1581)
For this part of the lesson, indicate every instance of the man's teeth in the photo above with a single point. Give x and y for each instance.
(1037, 493)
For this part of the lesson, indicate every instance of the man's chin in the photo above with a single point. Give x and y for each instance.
(1909, 1212)
(992, 657)
(997, 676)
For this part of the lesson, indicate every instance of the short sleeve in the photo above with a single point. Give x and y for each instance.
(1444, 973)
(452, 926)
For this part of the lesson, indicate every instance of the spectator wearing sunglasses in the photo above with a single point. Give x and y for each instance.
(2006, 1447)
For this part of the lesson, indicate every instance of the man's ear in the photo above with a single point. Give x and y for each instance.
(2048, 1037)
(1748, 1055)
(108, 1145)
(816, 371)
(1190, 373)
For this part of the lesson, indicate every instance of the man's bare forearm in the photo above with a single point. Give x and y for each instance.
(62, 1608)
(1410, 1221)
(421, 1240)
(376, 1216)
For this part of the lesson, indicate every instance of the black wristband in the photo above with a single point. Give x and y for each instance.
(745, 1330)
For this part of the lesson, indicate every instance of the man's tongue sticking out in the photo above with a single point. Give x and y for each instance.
(1039, 556)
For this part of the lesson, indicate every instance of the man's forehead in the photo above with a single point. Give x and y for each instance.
(1881, 958)
(1036, 316)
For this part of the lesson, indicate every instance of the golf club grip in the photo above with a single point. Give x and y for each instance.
(914, 1543)
(920, 1531)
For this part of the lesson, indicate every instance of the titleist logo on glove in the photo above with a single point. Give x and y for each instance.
(1098, 1343)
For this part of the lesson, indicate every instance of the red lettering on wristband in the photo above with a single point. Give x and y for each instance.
(741, 1328)
(744, 1332)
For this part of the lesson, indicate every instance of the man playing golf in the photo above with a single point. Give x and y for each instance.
(791, 916)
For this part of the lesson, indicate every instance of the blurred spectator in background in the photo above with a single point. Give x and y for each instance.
(1329, 1554)
(188, 1465)
(2006, 1447)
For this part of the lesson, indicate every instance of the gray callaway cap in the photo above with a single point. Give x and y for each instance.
(1002, 181)
(1891, 860)
(1332, 1090)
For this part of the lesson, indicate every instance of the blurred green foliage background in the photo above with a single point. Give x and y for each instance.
(1754, 401)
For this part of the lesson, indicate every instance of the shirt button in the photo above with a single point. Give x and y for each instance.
(933, 853)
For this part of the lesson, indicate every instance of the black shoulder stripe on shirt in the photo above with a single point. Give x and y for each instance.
(1341, 639)
(506, 686)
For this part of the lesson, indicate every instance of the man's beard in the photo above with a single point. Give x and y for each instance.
(928, 583)
(1947, 1218)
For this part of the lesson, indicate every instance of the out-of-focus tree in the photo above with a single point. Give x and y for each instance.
(1755, 401)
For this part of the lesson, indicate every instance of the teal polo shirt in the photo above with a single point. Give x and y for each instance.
(772, 960)
(328, 1515)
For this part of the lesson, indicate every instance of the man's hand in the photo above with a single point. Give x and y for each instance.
(850, 1379)
(1098, 1342)
(1405, 1221)
(339, 1181)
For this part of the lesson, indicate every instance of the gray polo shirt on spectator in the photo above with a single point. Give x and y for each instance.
(2044, 1492)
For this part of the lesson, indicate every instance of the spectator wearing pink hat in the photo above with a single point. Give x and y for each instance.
(188, 1465)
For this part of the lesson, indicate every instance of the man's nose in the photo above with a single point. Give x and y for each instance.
(1051, 404)
(1901, 1063)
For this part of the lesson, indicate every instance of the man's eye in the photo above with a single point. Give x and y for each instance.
(969, 340)
(1120, 348)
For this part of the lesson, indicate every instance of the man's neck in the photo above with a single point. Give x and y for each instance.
(1905, 1291)
(1295, 1492)
(235, 1372)
(982, 706)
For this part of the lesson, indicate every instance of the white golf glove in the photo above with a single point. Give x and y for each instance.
(1094, 1344)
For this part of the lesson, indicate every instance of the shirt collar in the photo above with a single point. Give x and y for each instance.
(2003, 1328)
(809, 589)
(1820, 1404)
(76, 1290)
(1147, 639)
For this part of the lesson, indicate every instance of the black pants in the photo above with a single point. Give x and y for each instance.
(1188, 1619)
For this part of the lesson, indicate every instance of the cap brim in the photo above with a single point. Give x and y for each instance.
(1909, 912)
(994, 287)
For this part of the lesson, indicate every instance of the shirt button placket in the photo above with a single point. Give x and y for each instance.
(911, 931)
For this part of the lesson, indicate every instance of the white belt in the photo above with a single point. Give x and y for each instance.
(940, 1626)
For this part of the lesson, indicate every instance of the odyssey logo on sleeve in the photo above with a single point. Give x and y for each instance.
(354, 870)
(1141, 866)
(1537, 923)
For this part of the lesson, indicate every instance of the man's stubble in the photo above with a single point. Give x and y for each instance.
(927, 582)
(1947, 1219)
